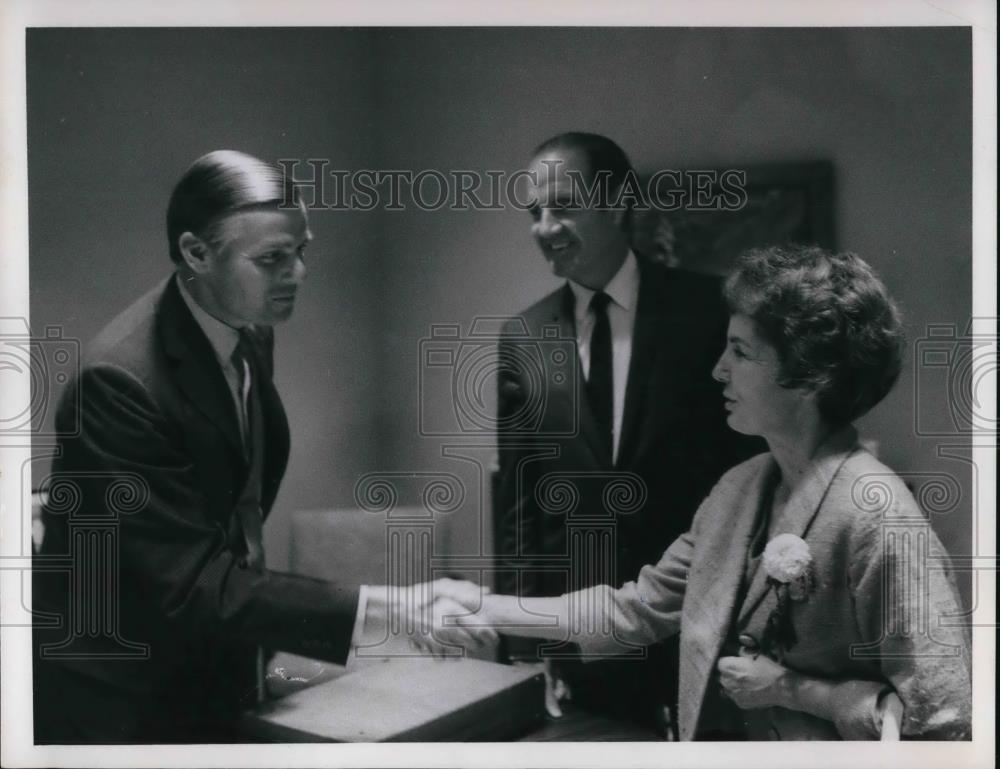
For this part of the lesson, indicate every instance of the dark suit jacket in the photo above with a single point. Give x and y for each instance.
(156, 468)
(674, 444)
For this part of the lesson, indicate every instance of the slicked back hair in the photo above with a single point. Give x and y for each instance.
(222, 183)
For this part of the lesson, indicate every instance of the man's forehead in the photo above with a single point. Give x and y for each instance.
(277, 225)
(559, 166)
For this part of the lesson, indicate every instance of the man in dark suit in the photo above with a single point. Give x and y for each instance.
(173, 444)
(604, 455)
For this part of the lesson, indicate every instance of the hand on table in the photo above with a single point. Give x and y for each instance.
(753, 680)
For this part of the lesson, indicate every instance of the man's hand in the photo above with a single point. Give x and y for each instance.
(453, 625)
(461, 591)
(754, 680)
(437, 617)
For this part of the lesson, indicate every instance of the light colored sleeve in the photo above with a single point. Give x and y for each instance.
(856, 708)
(907, 610)
(605, 621)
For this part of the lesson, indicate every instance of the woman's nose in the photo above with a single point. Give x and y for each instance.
(721, 371)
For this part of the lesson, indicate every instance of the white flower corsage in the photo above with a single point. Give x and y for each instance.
(788, 561)
(788, 564)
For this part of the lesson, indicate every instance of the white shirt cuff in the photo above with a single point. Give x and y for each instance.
(359, 617)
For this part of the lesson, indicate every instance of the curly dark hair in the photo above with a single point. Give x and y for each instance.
(831, 319)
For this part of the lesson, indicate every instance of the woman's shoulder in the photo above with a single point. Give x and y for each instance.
(745, 472)
(866, 495)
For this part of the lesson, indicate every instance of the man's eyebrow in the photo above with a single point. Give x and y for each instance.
(281, 240)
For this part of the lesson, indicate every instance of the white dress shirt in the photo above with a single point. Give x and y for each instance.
(223, 339)
(623, 289)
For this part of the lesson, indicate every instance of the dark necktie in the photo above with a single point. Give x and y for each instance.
(248, 505)
(600, 382)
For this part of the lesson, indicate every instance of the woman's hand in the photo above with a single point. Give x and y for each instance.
(754, 681)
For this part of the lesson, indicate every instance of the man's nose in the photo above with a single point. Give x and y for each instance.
(548, 223)
(298, 270)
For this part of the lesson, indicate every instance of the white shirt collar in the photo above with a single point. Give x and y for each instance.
(623, 288)
(221, 336)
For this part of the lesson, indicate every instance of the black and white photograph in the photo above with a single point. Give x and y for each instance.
(475, 381)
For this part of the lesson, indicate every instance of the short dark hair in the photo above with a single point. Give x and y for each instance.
(603, 156)
(221, 183)
(835, 327)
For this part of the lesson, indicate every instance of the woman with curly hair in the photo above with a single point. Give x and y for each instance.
(810, 593)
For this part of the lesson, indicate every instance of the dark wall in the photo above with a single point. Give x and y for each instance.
(115, 116)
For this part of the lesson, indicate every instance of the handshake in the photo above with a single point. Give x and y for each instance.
(442, 618)
(446, 617)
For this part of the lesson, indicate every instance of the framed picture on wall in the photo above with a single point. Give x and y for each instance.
(702, 220)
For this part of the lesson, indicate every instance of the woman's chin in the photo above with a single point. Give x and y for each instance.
(736, 424)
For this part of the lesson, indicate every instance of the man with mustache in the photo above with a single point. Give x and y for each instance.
(173, 442)
(639, 405)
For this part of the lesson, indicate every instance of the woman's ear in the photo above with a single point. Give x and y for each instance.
(194, 252)
(810, 394)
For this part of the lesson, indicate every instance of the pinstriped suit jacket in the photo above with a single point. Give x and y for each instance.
(875, 557)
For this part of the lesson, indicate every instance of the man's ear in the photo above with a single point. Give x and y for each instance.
(194, 252)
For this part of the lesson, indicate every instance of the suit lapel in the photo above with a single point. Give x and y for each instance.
(197, 369)
(802, 506)
(276, 438)
(659, 346)
(714, 584)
